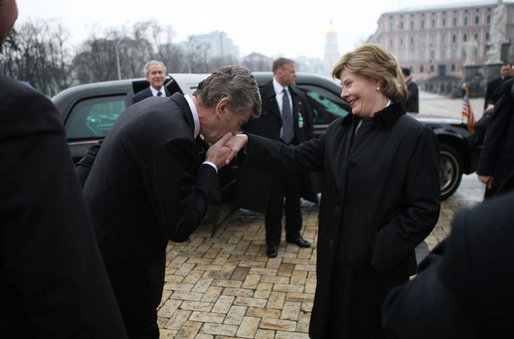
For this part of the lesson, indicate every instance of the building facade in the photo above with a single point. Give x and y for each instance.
(433, 42)
(332, 54)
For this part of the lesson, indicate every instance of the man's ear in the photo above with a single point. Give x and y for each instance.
(223, 108)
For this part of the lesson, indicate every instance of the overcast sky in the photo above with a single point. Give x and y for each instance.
(272, 27)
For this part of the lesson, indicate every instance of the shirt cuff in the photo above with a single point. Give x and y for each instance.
(211, 164)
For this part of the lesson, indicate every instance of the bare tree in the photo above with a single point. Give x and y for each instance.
(37, 53)
(257, 62)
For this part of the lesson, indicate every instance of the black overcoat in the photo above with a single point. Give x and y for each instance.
(253, 185)
(497, 155)
(53, 283)
(380, 198)
(147, 185)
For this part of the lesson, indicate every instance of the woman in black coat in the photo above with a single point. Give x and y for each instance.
(380, 197)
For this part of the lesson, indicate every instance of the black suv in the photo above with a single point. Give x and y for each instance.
(89, 111)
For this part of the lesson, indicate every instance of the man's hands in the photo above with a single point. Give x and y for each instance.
(225, 149)
(487, 180)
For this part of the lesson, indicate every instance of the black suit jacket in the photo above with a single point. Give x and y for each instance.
(490, 96)
(253, 186)
(497, 155)
(147, 185)
(52, 280)
(146, 93)
(464, 288)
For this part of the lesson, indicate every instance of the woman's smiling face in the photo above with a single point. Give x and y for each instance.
(362, 93)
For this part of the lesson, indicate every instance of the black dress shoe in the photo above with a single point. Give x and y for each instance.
(272, 251)
(299, 241)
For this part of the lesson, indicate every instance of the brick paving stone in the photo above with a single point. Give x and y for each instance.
(185, 295)
(207, 317)
(193, 277)
(248, 327)
(178, 320)
(178, 286)
(275, 280)
(276, 300)
(189, 330)
(238, 292)
(240, 273)
(263, 312)
(291, 310)
(223, 304)
(303, 322)
(227, 283)
(202, 285)
(291, 335)
(169, 307)
(212, 294)
(219, 329)
(251, 281)
(277, 324)
(288, 288)
(299, 278)
(197, 306)
(265, 334)
(235, 315)
(286, 270)
(204, 336)
(255, 302)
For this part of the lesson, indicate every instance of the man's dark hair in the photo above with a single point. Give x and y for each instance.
(406, 71)
(279, 63)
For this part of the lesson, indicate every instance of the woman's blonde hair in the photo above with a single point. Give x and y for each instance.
(373, 61)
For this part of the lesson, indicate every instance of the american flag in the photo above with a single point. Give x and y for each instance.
(467, 112)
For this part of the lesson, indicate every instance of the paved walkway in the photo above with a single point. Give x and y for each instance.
(225, 286)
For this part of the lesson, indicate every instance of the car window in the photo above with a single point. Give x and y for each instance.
(326, 106)
(92, 118)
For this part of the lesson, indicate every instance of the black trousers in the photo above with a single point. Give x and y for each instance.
(286, 185)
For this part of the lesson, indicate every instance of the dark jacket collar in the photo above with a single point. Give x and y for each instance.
(386, 117)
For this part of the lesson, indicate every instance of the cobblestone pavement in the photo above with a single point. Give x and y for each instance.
(225, 286)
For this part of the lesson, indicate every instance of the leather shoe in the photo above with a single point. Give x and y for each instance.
(301, 242)
(272, 251)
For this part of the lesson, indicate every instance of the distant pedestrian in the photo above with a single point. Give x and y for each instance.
(380, 195)
(155, 73)
(492, 93)
(412, 102)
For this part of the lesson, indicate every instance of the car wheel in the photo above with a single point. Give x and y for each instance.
(450, 170)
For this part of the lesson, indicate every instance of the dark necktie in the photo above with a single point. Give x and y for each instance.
(287, 118)
(159, 93)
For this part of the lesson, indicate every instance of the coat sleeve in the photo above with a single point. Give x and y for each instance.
(495, 132)
(273, 155)
(51, 271)
(421, 203)
(179, 189)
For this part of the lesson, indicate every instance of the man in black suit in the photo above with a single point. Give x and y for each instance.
(463, 289)
(286, 116)
(155, 73)
(148, 184)
(496, 161)
(53, 283)
(412, 102)
(492, 93)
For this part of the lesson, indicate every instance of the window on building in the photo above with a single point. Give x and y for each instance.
(452, 67)
(391, 42)
(401, 41)
(412, 40)
(477, 20)
(465, 37)
(443, 37)
(432, 54)
(476, 36)
(412, 25)
(401, 24)
(488, 20)
(432, 38)
(421, 69)
(433, 22)
(443, 53)
(454, 52)
(444, 22)
(465, 21)
(422, 24)
(454, 38)
(422, 39)
(431, 68)
(422, 54)
(454, 21)
(391, 26)
(487, 36)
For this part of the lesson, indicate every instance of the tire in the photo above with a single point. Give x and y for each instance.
(450, 170)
